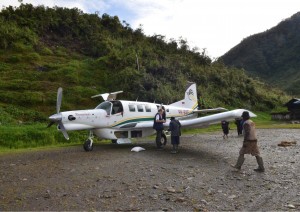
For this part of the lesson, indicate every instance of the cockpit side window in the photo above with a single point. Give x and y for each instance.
(117, 107)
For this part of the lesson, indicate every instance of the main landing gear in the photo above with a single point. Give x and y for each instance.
(88, 144)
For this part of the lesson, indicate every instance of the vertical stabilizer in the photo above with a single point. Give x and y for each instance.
(190, 100)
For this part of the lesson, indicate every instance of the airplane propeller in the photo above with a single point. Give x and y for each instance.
(58, 101)
(57, 118)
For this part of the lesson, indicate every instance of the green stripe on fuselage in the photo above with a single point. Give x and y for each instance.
(132, 120)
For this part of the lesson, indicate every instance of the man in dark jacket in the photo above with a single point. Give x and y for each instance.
(239, 125)
(225, 128)
(158, 125)
(174, 127)
(164, 117)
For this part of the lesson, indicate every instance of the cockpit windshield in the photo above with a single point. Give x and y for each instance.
(111, 108)
(105, 106)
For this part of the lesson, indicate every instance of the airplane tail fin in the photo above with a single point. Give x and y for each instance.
(190, 100)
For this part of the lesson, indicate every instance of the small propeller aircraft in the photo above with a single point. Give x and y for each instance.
(121, 120)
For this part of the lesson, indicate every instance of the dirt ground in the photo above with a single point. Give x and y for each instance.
(198, 178)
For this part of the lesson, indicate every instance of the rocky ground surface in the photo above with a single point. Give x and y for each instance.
(113, 178)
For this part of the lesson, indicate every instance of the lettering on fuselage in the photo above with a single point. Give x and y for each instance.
(82, 114)
(183, 112)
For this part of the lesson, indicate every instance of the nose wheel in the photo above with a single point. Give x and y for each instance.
(88, 145)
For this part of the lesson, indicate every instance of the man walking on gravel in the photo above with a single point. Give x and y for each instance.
(249, 144)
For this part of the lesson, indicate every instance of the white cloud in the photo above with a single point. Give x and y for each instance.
(216, 25)
(13, 3)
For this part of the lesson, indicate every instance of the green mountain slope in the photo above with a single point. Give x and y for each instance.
(273, 55)
(44, 48)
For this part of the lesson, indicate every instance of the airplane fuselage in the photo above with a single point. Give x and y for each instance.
(120, 119)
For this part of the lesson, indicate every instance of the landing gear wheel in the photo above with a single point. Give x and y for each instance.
(164, 139)
(88, 145)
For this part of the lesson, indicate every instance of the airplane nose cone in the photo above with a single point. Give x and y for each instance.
(55, 118)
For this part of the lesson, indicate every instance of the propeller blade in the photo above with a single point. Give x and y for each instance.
(63, 130)
(59, 97)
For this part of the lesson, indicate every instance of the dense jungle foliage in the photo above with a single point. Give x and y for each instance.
(273, 55)
(44, 48)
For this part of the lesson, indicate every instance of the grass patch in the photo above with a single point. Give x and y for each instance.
(35, 135)
(17, 137)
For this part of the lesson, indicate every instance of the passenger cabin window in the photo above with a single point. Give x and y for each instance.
(131, 108)
(148, 108)
(140, 108)
(105, 106)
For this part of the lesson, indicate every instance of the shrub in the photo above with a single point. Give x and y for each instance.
(33, 57)
(14, 59)
(46, 51)
(21, 47)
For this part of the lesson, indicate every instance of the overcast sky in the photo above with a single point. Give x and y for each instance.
(216, 25)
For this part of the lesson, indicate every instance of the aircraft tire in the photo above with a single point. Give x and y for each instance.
(164, 139)
(88, 145)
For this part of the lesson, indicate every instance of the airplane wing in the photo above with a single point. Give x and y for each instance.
(215, 118)
(202, 121)
(219, 109)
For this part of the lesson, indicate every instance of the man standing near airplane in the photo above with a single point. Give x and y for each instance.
(158, 126)
(174, 127)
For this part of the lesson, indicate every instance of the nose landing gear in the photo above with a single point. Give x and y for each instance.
(88, 144)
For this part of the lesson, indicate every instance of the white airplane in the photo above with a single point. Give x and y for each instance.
(121, 120)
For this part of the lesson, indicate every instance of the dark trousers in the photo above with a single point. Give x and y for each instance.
(175, 140)
(158, 138)
(240, 130)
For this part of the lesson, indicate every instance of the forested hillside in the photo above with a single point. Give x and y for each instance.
(44, 48)
(273, 55)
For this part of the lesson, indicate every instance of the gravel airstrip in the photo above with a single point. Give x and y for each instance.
(198, 178)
